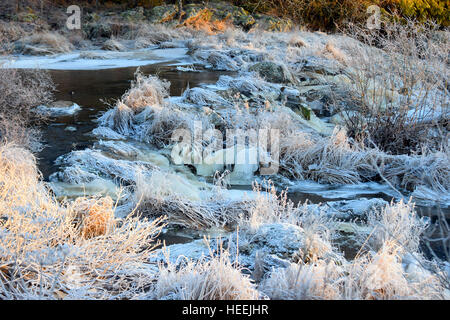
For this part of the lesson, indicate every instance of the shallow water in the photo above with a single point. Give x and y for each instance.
(91, 89)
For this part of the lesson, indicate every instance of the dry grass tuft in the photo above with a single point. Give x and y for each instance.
(325, 159)
(212, 278)
(202, 21)
(303, 282)
(96, 215)
(45, 43)
(396, 223)
(167, 194)
(146, 91)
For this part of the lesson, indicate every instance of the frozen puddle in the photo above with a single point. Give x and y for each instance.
(333, 192)
(99, 59)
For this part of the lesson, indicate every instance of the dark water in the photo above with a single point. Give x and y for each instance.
(90, 89)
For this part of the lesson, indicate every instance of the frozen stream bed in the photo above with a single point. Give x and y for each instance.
(102, 78)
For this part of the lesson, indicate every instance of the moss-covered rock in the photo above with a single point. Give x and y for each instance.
(134, 15)
(164, 13)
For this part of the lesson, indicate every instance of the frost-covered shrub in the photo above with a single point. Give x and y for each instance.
(212, 278)
(75, 250)
(22, 91)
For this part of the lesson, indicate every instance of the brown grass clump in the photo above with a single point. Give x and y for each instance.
(146, 91)
(335, 52)
(96, 215)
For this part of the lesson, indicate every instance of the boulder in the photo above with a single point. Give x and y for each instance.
(113, 45)
(58, 109)
(272, 72)
(134, 15)
(164, 13)
(351, 209)
(280, 239)
(270, 23)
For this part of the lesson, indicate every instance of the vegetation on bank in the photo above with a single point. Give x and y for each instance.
(325, 15)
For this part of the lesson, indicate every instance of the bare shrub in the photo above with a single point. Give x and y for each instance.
(22, 91)
(400, 88)
(203, 21)
(9, 32)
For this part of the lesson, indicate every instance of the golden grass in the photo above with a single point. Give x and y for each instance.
(96, 216)
(202, 21)
(44, 254)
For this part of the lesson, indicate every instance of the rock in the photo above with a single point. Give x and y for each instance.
(244, 21)
(280, 239)
(58, 109)
(314, 122)
(113, 45)
(350, 209)
(317, 106)
(107, 133)
(164, 13)
(219, 11)
(270, 23)
(97, 30)
(70, 128)
(322, 66)
(272, 72)
(222, 62)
